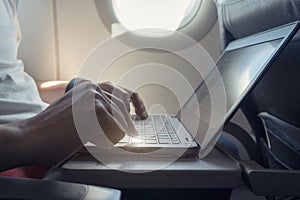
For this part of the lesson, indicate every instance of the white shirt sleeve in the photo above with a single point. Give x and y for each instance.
(19, 98)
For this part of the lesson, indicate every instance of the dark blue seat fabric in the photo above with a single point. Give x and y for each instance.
(241, 18)
(278, 93)
(283, 142)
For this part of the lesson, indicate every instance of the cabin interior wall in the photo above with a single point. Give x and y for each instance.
(57, 36)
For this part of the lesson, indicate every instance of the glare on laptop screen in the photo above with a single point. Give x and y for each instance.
(239, 68)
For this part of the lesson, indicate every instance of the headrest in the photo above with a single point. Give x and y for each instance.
(240, 18)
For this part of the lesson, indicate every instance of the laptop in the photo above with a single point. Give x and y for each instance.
(237, 71)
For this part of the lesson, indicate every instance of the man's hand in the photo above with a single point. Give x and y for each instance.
(52, 135)
(127, 97)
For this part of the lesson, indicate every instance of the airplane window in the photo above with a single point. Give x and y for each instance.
(190, 12)
(155, 16)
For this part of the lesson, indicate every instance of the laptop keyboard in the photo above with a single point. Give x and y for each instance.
(154, 130)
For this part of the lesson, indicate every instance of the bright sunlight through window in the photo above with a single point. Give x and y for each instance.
(155, 16)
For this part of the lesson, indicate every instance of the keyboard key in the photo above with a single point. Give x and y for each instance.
(153, 130)
(151, 141)
(137, 140)
(164, 141)
(149, 131)
(173, 136)
(150, 134)
(175, 142)
(161, 131)
(163, 136)
(150, 137)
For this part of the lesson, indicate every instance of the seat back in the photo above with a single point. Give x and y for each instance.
(241, 18)
(278, 93)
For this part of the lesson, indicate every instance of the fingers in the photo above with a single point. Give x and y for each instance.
(112, 113)
(112, 108)
(117, 92)
(139, 106)
(88, 99)
(119, 111)
(127, 96)
(110, 126)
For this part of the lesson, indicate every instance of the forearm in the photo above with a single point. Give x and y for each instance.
(43, 140)
(51, 136)
(12, 153)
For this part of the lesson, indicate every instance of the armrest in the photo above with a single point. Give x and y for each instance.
(15, 188)
(270, 182)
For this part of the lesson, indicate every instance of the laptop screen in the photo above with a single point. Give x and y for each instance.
(224, 88)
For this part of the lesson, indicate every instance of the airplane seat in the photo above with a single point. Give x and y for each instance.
(17, 188)
(241, 18)
(273, 108)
